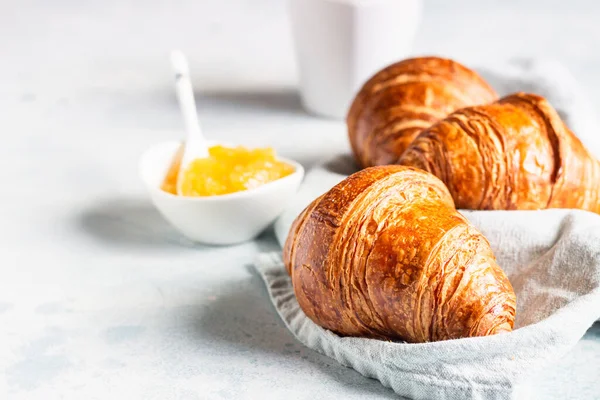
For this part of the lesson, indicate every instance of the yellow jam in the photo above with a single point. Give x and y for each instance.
(226, 170)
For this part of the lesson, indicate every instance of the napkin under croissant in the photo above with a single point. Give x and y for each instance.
(385, 254)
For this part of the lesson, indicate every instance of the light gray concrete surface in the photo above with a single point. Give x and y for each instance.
(99, 297)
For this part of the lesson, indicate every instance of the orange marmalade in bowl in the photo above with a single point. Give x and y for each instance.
(226, 170)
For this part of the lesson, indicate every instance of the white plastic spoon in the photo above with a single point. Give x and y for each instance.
(196, 145)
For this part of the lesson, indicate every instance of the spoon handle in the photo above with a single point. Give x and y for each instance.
(196, 145)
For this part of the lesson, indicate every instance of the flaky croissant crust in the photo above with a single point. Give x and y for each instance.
(384, 254)
(403, 99)
(515, 153)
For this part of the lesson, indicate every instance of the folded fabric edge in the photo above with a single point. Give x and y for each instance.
(271, 270)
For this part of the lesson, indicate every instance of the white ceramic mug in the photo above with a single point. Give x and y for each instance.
(341, 43)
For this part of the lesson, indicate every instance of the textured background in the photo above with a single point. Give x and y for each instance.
(99, 298)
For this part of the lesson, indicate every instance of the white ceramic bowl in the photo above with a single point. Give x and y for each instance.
(221, 220)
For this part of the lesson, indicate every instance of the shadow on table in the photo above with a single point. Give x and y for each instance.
(242, 319)
(279, 101)
(594, 332)
(130, 223)
(343, 164)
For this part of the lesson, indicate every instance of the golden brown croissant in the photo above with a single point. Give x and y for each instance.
(405, 98)
(384, 254)
(513, 154)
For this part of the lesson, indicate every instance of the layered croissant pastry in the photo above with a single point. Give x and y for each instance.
(403, 99)
(384, 254)
(515, 153)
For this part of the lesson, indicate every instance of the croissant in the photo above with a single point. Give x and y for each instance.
(513, 154)
(405, 98)
(384, 254)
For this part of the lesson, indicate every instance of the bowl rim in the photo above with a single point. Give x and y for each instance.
(297, 174)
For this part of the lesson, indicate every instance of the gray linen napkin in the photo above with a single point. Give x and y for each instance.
(551, 257)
